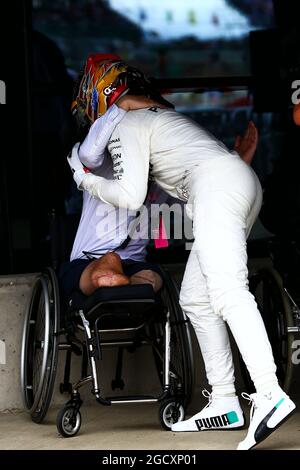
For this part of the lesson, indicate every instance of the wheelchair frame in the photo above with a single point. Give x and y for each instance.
(41, 342)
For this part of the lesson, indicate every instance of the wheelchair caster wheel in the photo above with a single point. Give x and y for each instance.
(170, 412)
(68, 421)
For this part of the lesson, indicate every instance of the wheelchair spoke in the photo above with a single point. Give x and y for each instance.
(38, 344)
(36, 371)
(41, 319)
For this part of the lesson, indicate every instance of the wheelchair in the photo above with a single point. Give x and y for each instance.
(125, 317)
(279, 305)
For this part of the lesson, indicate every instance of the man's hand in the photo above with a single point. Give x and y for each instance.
(296, 114)
(246, 146)
(78, 169)
(132, 102)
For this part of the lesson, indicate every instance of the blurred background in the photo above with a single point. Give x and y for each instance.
(165, 38)
(223, 62)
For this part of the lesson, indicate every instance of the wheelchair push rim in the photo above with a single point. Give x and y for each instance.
(39, 348)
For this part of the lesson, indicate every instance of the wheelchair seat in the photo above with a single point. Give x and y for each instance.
(112, 301)
(107, 294)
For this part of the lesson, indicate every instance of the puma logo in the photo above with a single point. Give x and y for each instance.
(217, 421)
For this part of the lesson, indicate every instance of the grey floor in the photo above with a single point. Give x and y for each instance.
(129, 427)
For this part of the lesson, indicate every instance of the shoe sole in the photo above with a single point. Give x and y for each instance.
(275, 428)
(239, 428)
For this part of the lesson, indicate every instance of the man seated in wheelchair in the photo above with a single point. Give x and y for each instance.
(110, 244)
(103, 254)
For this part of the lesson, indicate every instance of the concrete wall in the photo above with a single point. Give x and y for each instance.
(14, 293)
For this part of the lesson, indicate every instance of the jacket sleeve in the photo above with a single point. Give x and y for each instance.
(92, 150)
(129, 148)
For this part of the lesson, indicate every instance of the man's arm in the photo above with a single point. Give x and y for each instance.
(92, 150)
(130, 158)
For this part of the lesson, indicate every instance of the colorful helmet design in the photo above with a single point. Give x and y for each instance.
(105, 79)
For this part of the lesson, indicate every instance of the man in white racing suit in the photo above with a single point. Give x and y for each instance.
(223, 197)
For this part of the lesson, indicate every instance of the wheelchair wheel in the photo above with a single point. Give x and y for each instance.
(181, 352)
(68, 421)
(275, 308)
(170, 412)
(39, 351)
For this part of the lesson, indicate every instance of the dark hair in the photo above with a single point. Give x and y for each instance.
(139, 84)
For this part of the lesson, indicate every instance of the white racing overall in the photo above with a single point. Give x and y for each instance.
(224, 198)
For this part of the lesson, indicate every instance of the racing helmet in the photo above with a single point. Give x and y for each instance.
(104, 80)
